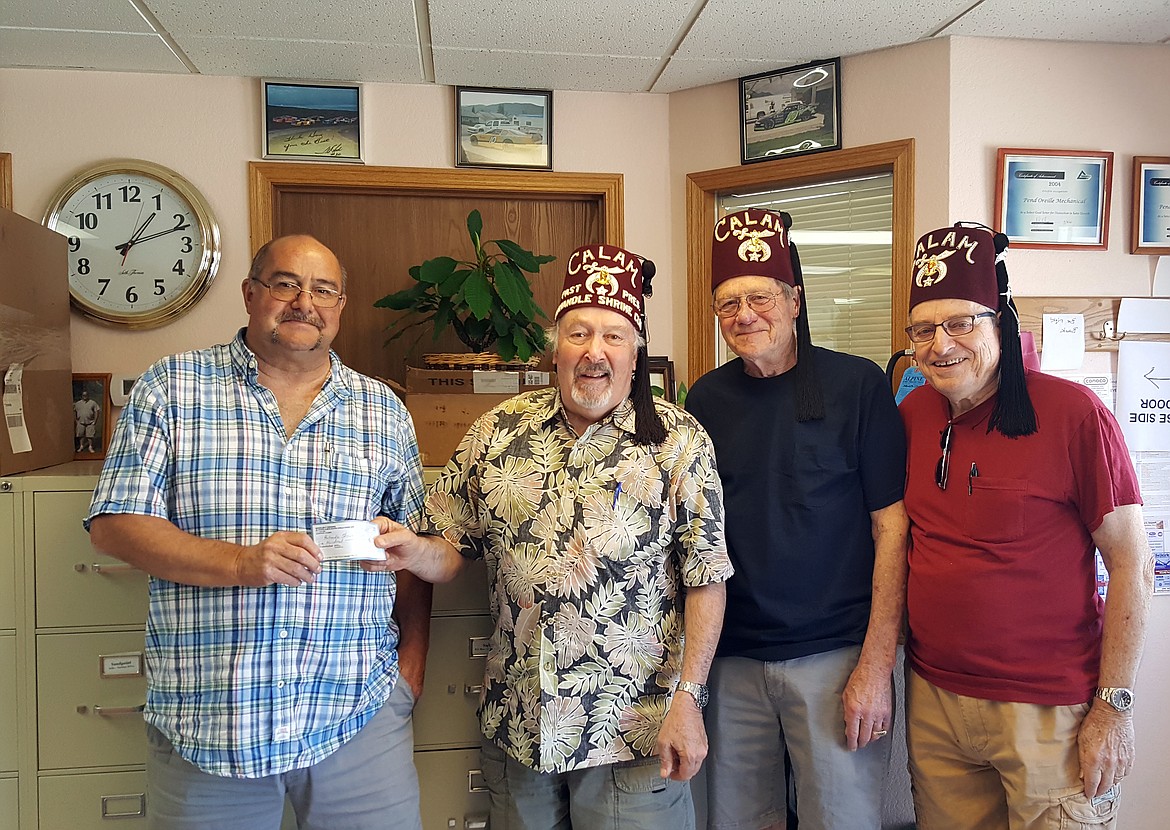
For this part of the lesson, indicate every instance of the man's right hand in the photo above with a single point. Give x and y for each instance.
(284, 558)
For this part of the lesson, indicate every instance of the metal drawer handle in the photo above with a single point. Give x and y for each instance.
(106, 568)
(138, 800)
(475, 782)
(472, 690)
(114, 711)
(475, 823)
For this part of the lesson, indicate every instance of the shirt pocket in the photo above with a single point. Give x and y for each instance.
(822, 475)
(994, 508)
(349, 490)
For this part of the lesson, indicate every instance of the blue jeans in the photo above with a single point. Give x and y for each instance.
(624, 796)
(369, 783)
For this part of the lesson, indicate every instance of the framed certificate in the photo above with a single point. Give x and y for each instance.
(1054, 198)
(1151, 206)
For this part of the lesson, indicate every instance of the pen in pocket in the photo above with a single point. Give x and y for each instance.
(974, 474)
(617, 492)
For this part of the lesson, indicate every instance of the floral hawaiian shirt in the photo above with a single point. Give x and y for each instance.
(588, 542)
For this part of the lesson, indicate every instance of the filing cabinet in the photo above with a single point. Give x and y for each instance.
(72, 674)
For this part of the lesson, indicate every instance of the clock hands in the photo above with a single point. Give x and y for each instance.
(124, 249)
(135, 240)
(182, 226)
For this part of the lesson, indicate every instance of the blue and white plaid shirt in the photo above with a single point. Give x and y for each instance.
(248, 682)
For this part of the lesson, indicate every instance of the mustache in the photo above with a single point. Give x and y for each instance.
(594, 368)
(293, 316)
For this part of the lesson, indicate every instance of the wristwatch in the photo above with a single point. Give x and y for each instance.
(696, 690)
(1120, 699)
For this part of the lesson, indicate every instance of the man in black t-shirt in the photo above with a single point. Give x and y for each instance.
(811, 453)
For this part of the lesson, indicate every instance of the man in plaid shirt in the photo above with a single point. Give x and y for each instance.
(272, 671)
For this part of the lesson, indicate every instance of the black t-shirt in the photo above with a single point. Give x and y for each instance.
(797, 499)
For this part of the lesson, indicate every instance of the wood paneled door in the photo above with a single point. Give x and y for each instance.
(382, 220)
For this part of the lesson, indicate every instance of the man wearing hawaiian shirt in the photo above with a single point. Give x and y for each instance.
(600, 514)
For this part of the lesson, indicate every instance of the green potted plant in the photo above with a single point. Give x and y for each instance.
(487, 301)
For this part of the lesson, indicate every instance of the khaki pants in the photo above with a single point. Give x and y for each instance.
(989, 765)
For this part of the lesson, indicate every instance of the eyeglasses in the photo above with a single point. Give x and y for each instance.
(758, 302)
(288, 292)
(955, 327)
(944, 464)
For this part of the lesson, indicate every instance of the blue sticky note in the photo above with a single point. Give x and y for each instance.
(911, 380)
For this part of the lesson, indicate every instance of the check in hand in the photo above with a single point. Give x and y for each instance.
(400, 544)
(284, 558)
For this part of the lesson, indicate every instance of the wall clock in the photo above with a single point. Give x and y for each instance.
(143, 243)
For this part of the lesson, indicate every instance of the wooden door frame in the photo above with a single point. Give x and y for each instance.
(267, 179)
(704, 188)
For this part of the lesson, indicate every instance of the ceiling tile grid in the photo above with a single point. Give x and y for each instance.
(586, 45)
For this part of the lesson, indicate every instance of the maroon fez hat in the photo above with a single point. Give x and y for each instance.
(605, 276)
(956, 263)
(751, 243)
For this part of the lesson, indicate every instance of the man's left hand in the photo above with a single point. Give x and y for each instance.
(682, 741)
(868, 702)
(1105, 745)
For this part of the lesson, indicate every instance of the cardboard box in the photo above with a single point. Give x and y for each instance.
(480, 381)
(34, 342)
(441, 421)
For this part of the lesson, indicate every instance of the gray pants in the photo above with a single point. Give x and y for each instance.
(759, 708)
(625, 796)
(369, 783)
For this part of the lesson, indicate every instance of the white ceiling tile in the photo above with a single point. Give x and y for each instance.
(306, 60)
(589, 45)
(87, 50)
(381, 21)
(807, 30)
(687, 73)
(1118, 21)
(590, 73)
(645, 28)
(70, 15)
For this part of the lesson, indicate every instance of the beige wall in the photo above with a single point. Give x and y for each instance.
(207, 128)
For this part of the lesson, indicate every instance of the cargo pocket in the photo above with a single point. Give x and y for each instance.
(1077, 812)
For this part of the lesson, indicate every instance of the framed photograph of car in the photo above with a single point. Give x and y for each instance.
(503, 128)
(307, 121)
(790, 112)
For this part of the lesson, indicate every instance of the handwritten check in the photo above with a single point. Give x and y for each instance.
(347, 540)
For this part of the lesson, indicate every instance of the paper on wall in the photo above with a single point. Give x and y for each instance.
(1140, 315)
(1143, 394)
(1162, 277)
(14, 409)
(1064, 341)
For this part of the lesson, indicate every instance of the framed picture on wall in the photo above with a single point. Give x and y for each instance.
(1056, 199)
(503, 128)
(91, 420)
(307, 121)
(1151, 206)
(662, 377)
(790, 112)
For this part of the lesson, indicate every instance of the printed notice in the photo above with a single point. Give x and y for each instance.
(347, 540)
(1143, 394)
(14, 409)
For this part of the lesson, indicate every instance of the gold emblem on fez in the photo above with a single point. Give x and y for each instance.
(752, 248)
(931, 269)
(600, 282)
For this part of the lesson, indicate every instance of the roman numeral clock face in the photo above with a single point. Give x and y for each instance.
(143, 243)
